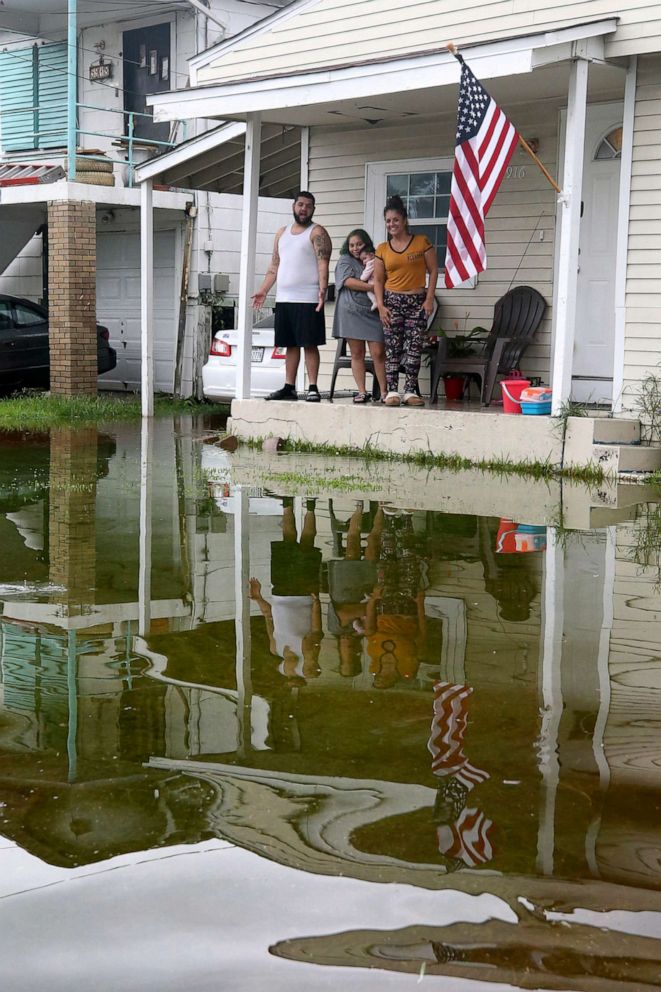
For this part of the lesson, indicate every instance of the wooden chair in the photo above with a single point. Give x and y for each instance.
(516, 317)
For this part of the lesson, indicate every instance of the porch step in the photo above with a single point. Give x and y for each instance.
(627, 458)
(612, 430)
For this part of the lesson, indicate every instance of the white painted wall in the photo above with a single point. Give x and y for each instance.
(23, 276)
(333, 32)
(642, 347)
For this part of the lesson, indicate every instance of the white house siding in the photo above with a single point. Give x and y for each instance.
(643, 299)
(523, 208)
(344, 31)
(23, 276)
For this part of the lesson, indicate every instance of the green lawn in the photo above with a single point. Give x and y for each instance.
(39, 411)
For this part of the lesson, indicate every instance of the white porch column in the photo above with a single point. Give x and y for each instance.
(565, 309)
(247, 258)
(147, 297)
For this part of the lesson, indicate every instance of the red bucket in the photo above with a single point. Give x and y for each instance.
(512, 389)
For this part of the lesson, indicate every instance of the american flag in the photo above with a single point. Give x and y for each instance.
(485, 143)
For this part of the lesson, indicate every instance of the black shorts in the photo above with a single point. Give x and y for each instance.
(295, 571)
(298, 325)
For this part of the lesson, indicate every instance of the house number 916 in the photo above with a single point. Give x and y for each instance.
(515, 172)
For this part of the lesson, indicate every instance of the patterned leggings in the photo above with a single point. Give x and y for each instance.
(404, 338)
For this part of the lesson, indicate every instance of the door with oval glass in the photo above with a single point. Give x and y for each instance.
(592, 378)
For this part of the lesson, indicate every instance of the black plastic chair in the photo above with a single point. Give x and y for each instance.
(516, 317)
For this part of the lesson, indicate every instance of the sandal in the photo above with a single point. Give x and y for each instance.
(361, 397)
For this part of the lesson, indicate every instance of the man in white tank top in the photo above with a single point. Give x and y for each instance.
(301, 254)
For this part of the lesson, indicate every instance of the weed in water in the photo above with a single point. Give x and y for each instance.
(501, 465)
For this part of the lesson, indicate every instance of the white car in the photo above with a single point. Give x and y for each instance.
(267, 363)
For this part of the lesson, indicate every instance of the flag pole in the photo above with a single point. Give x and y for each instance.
(452, 48)
(540, 165)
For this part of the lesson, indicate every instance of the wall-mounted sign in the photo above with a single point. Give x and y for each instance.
(100, 71)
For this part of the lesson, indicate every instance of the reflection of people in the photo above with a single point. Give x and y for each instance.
(300, 259)
(293, 616)
(353, 318)
(350, 581)
(405, 277)
(395, 616)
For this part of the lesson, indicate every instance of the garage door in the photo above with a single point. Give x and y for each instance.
(118, 306)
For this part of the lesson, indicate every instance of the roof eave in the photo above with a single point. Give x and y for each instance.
(235, 99)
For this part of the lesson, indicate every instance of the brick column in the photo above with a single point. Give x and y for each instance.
(72, 297)
(72, 514)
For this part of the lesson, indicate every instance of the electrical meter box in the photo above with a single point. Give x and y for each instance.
(204, 282)
(221, 283)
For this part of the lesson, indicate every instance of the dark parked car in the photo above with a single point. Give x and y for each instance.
(24, 356)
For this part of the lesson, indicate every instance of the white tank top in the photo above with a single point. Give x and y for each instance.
(298, 276)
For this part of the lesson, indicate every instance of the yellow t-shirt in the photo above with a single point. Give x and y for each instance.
(405, 270)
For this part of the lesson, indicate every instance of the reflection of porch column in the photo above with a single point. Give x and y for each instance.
(147, 297)
(242, 622)
(551, 702)
(144, 569)
(71, 513)
(248, 246)
(570, 223)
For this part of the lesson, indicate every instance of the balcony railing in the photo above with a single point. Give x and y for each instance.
(127, 137)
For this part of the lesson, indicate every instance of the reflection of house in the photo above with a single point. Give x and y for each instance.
(118, 57)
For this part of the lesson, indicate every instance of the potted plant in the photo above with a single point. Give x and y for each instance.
(460, 346)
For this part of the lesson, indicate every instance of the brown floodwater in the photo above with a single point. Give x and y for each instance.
(277, 736)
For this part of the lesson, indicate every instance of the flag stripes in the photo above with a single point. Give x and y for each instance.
(485, 143)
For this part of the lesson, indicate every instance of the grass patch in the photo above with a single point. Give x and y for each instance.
(543, 470)
(40, 411)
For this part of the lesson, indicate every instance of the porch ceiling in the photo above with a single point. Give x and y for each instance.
(214, 162)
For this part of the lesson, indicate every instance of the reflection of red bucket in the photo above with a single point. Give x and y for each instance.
(512, 389)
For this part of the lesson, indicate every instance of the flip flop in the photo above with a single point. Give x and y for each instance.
(361, 398)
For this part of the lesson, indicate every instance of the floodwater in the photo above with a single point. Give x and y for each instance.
(266, 735)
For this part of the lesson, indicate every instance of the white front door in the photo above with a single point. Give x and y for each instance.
(592, 376)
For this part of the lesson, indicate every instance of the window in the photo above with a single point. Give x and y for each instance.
(33, 93)
(426, 196)
(611, 146)
(26, 316)
(6, 321)
(424, 186)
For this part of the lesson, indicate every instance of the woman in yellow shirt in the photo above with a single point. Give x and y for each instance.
(405, 277)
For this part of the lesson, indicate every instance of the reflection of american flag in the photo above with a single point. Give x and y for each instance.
(446, 741)
(485, 143)
(468, 838)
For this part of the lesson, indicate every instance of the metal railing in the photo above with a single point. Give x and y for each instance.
(129, 137)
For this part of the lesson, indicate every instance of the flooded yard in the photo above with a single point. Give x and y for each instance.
(266, 726)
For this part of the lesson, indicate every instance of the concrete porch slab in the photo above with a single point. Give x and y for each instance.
(476, 435)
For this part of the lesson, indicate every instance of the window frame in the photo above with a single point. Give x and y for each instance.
(25, 305)
(376, 174)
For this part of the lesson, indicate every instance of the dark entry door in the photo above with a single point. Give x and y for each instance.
(147, 69)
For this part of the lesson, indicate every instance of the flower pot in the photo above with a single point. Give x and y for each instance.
(454, 386)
